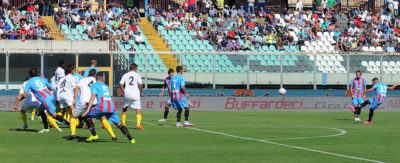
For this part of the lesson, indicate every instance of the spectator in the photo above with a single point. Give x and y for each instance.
(251, 6)
(279, 43)
(390, 48)
(169, 25)
(139, 39)
(198, 35)
(176, 24)
(223, 45)
(299, 5)
(76, 20)
(397, 47)
(354, 45)
(192, 4)
(247, 44)
(204, 25)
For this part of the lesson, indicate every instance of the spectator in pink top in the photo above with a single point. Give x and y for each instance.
(192, 4)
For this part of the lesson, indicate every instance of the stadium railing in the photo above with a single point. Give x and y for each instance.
(212, 70)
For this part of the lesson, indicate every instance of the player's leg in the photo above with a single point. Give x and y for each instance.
(23, 117)
(187, 123)
(113, 118)
(178, 117)
(166, 111)
(107, 126)
(88, 120)
(44, 119)
(126, 104)
(33, 114)
(372, 108)
(139, 119)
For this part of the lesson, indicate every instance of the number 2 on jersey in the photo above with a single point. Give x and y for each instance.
(131, 82)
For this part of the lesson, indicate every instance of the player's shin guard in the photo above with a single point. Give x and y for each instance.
(123, 119)
(90, 124)
(178, 115)
(53, 122)
(138, 119)
(23, 117)
(61, 119)
(166, 111)
(108, 127)
(44, 120)
(186, 114)
(125, 131)
(371, 114)
(72, 126)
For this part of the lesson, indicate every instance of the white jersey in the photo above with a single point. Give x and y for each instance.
(131, 80)
(66, 86)
(29, 97)
(60, 73)
(84, 87)
(53, 82)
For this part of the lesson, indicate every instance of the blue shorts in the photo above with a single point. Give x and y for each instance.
(180, 104)
(111, 117)
(357, 101)
(49, 104)
(374, 103)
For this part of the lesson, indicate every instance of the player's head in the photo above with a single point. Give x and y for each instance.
(100, 76)
(93, 62)
(61, 64)
(375, 80)
(33, 72)
(133, 67)
(171, 72)
(92, 72)
(42, 76)
(70, 69)
(358, 74)
(179, 69)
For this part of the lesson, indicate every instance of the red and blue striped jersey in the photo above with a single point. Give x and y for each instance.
(167, 82)
(380, 90)
(358, 87)
(103, 96)
(176, 84)
(40, 88)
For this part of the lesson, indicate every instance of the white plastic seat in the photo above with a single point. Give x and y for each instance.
(371, 63)
(340, 58)
(392, 63)
(304, 48)
(320, 43)
(319, 58)
(324, 49)
(326, 34)
(372, 49)
(365, 48)
(331, 49)
(317, 49)
(379, 49)
(378, 63)
(385, 63)
(365, 63)
(314, 43)
(307, 43)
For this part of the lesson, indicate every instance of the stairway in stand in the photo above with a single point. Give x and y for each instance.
(54, 29)
(169, 60)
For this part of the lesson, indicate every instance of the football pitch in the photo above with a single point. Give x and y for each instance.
(277, 136)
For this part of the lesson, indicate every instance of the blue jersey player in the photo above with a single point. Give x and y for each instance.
(380, 91)
(178, 96)
(167, 83)
(41, 90)
(105, 110)
(93, 64)
(357, 88)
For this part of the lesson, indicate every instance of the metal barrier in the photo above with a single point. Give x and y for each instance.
(244, 70)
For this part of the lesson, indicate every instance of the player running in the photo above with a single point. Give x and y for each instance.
(380, 90)
(105, 110)
(41, 91)
(30, 105)
(167, 83)
(358, 86)
(131, 85)
(66, 87)
(178, 96)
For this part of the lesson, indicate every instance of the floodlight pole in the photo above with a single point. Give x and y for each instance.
(145, 69)
(281, 75)
(348, 71)
(315, 71)
(248, 72)
(214, 60)
(381, 69)
(7, 69)
(42, 62)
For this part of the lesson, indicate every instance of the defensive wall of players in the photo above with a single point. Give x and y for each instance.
(244, 103)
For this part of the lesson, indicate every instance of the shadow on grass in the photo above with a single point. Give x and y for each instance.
(20, 130)
(81, 139)
(343, 119)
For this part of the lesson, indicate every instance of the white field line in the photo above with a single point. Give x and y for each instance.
(279, 144)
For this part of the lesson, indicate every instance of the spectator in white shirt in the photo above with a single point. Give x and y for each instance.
(396, 8)
(176, 24)
(299, 5)
(390, 48)
(169, 25)
(139, 39)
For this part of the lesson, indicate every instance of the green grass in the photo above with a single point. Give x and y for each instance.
(166, 143)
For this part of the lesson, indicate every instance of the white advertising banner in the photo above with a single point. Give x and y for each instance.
(243, 103)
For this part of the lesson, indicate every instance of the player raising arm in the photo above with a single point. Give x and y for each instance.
(178, 96)
(105, 111)
(131, 85)
(380, 90)
(167, 83)
(41, 90)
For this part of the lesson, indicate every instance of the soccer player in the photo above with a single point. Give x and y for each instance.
(167, 83)
(93, 64)
(66, 87)
(41, 88)
(30, 105)
(178, 96)
(131, 85)
(357, 88)
(105, 111)
(60, 72)
(77, 75)
(380, 90)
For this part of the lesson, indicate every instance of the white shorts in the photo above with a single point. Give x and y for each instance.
(80, 109)
(30, 105)
(132, 104)
(66, 101)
